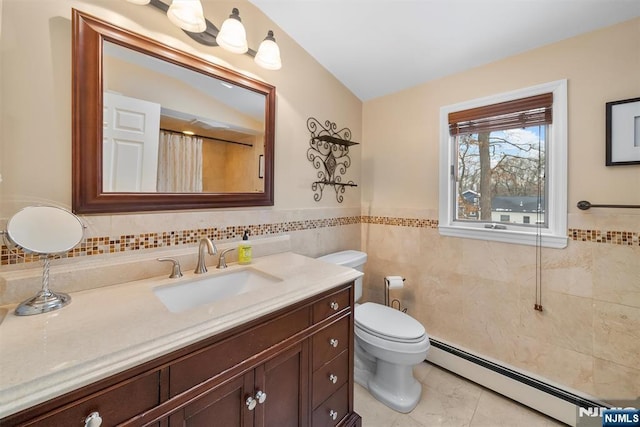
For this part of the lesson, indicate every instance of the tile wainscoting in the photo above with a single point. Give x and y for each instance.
(132, 242)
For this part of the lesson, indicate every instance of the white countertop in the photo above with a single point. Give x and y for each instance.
(108, 330)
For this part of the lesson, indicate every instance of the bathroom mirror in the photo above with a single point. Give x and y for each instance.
(47, 231)
(155, 128)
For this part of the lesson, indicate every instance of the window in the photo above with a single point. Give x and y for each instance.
(502, 162)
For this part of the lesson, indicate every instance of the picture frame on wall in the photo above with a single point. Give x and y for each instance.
(623, 132)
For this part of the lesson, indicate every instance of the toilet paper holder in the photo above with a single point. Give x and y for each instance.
(387, 286)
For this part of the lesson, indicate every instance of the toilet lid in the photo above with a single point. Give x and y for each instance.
(389, 322)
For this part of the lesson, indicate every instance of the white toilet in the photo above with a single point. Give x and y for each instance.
(389, 343)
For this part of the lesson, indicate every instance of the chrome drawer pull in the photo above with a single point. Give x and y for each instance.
(334, 305)
(93, 420)
(333, 342)
(333, 378)
(333, 415)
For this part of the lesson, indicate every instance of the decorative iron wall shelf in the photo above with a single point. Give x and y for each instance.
(329, 153)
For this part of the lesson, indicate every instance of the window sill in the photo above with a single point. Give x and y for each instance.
(504, 236)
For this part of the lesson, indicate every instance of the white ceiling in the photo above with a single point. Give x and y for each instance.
(377, 47)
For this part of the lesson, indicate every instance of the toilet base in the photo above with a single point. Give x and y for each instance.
(363, 367)
(391, 384)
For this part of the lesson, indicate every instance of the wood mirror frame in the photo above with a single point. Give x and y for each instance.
(87, 131)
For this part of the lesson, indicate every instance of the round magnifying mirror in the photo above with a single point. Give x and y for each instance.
(47, 231)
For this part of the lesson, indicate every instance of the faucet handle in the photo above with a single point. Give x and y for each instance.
(175, 270)
(222, 262)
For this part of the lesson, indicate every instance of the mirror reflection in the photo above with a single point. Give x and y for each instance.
(170, 129)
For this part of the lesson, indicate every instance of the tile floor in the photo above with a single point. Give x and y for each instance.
(451, 401)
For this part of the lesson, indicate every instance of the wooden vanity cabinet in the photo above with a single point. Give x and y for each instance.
(292, 368)
(237, 402)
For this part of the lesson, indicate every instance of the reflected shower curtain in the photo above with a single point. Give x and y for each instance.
(179, 163)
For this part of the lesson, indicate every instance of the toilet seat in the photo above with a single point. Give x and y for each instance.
(392, 350)
(388, 324)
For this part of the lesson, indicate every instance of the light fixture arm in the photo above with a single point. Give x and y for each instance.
(207, 37)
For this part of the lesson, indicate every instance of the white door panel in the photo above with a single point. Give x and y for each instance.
(130, 151)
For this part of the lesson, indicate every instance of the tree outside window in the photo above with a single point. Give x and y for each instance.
(501, 175)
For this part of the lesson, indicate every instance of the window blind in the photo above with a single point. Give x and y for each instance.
(519, 113)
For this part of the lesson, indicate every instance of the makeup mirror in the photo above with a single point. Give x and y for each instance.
(47, 231)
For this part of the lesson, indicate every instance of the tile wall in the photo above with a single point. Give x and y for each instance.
(480, 295)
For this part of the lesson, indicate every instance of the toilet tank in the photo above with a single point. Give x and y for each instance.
(349, 258)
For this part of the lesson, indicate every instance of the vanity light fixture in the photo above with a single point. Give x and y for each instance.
(268, 55)
(232, 35)
(189, 16)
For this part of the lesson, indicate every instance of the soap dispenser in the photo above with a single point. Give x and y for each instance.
(244, 249)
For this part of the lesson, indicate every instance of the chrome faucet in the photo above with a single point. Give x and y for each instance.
(205, 242)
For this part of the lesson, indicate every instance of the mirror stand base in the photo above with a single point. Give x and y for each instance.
(43, 302)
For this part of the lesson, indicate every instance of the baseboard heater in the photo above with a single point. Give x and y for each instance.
(539, 395)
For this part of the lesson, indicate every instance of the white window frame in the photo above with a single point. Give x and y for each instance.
(554, 235)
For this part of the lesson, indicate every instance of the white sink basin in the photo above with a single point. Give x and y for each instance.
(210, 288)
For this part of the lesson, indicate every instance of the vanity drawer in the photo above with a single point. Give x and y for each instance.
(330, 342)
(212, 360)
(330, 377)
(333, 410)
(115, 404)
(330, 305)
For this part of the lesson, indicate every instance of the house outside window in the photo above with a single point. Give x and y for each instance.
(502, 162)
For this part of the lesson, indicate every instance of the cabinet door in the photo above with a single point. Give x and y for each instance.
(285, 380)
(223, 406)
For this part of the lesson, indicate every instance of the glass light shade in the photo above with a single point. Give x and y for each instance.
(188, 15)
(232, 35)
(268, 55)
(140, 2)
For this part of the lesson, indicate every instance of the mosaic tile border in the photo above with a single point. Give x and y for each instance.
(623, 238)
(402, 222)
(131, 242)
(106, 245)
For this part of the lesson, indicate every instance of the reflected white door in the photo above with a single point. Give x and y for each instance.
(130, 144)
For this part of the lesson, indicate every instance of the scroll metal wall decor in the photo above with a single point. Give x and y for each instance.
(329, 153)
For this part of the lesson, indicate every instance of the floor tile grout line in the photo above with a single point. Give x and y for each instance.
(476, 408)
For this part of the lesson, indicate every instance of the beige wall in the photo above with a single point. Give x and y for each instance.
(480, 295)
(35, 114)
